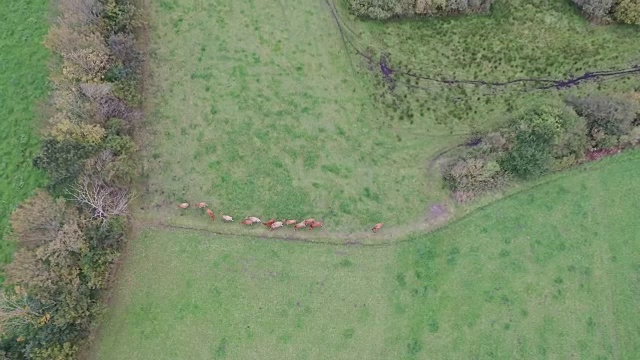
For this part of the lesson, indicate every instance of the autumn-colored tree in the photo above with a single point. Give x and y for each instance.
(38, 219)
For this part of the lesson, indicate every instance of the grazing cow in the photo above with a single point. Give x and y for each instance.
(254, 219)
(377, 227)
(211, 215)
(275, 225)
(183, 206)
(201, 205)
(300, 226)
(291, 222)
(269, 223)
(309, 221)
(315, 224)
(227, 218)
(247, 222)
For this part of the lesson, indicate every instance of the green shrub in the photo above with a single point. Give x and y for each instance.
(63, 160)
(541, 138)
(608, 118)
(627, 11)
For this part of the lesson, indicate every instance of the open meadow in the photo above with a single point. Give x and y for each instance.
(551, 272)
(260, 108)
(23, 79)
(296, 109)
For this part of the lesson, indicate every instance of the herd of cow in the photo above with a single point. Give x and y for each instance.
(272, 224)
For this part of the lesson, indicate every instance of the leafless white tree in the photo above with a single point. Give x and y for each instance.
(15, 311)
(103, 199)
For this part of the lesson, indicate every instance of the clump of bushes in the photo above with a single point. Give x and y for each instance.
(69, 236)
(541, 140)
(624, 11)
(609, 119)
(385, 9)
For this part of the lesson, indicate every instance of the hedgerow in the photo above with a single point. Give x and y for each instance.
(69, 236)
(385, 9)
(541, 140)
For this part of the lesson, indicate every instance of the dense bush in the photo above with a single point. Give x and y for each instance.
(474, 175)
(384, 9)
(628, 11)
(67, 248)
(540, 138)
(59, 282)
(609, 119)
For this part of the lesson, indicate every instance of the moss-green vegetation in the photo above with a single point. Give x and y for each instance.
(23, 74)
(550, 272)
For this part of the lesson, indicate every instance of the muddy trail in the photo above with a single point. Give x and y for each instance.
(380, 63)
(438, 218)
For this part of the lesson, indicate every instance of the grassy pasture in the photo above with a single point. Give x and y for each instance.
(551, 272)
(258, 109)
(23, 75)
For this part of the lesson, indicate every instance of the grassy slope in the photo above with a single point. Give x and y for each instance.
(23, 74)
(551, 272)
(545, 39)
(259, 112)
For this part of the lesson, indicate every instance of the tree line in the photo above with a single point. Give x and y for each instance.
(69, 234)
(623, 11)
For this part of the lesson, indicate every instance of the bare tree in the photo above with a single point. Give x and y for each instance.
(16, 311)
(103, 199)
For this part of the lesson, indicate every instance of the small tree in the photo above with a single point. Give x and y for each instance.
(38, 219)
(539, 137)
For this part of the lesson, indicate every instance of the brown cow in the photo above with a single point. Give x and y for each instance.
(269, 223)
(300, 226)
(247, 222)
(309, 221)
(201, 205)
(211, 215)
(183, 206)
(291, 222)
(315, 224)
(377, 227)
(227, 218)
(276, 225)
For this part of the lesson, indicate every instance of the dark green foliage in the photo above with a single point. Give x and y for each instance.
(106, 235)
(385, 9)
(531, 154)
(540, 138)
(63, 160)
(608, 118)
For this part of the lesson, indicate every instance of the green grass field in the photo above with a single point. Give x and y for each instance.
(258, 110)
(23, 79)
(551, 272)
